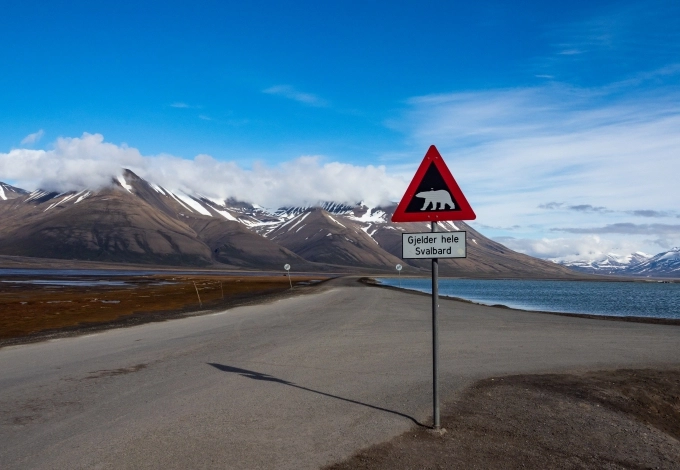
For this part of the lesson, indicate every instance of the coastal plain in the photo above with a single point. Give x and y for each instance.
(35, 309)
(305, 381)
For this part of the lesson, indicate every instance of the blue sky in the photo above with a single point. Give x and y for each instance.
(560, 120)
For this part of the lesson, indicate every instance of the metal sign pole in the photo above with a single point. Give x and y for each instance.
(435, 338)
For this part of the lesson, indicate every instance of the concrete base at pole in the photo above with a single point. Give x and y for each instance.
(437, 431)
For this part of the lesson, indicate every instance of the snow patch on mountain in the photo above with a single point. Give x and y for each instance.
(194, 204)
(83, 195)
(330, 217)
(296, 223)
(448, 224)
(372, 215)
(124, 184)
(226, 215)
(158, 189)
(35, 195)
(330, 207)
(367, 229)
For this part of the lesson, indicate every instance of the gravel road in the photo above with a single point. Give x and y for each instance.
(296, 383)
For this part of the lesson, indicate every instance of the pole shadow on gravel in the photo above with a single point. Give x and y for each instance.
(268, 378)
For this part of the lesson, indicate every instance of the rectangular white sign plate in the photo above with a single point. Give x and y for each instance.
(433, 245)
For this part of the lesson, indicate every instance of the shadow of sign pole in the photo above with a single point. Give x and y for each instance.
(268, 378)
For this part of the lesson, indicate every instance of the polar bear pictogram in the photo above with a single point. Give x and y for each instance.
(439, 199)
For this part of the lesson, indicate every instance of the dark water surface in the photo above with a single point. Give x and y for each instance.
(625, 299)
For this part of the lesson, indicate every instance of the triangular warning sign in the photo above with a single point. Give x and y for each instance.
(433, 194)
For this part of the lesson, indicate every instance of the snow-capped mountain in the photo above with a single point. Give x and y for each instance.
(134, 221)
(610, 264)
(662, 264)
(137, 221)
(665, 264)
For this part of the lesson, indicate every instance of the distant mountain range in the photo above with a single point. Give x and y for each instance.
(137, 221)
(664, 264)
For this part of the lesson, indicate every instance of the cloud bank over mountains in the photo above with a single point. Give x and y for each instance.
(89, 161)
(587, 247)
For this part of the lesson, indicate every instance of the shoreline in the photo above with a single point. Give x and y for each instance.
(632, 319)
(585, 278)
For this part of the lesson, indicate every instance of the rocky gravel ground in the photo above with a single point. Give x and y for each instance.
(622, 419)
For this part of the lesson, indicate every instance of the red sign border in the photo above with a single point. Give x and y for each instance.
(465, 212)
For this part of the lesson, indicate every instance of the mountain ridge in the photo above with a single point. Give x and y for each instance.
(133, 220)
(638, 264)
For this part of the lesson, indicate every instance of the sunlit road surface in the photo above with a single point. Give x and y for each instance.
(297, 383)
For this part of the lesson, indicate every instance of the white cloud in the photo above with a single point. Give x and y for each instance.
(182, 105)
(305, 180)
(90, 162)
(515, 150)
(31, 139)
(589, 248)
(291, 93)
(628, 228)
(73, 163)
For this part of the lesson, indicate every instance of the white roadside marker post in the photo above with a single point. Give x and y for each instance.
(287, 268)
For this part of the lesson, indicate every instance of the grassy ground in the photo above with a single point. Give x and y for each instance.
(28, 309)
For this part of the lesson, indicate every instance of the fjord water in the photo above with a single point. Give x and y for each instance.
(624, 299)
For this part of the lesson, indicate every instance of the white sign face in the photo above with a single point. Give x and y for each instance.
(433, 245)
(399, 267)
(286, 267)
